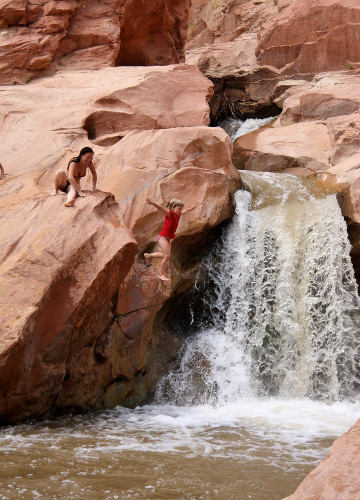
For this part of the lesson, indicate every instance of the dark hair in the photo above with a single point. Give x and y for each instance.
(83, 152)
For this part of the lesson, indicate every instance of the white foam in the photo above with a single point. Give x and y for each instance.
(236, 127)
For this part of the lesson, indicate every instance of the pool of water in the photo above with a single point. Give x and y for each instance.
(257, 449)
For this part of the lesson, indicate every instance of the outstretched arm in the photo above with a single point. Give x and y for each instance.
(158, 207)
(186, 210)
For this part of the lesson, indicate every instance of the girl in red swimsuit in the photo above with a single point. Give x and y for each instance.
(174, 209)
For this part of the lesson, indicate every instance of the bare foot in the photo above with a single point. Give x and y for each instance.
(147, 258)
(70, 203)
(54, 193)
(162, 277)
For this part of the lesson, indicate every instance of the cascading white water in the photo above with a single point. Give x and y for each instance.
(236, 127)
(282, 274)
(240, 419)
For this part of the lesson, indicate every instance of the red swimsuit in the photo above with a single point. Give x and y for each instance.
(170, 225)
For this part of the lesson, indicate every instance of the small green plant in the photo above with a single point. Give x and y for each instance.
(118, 318)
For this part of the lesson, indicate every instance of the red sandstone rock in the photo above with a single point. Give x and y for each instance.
(335, 478)
(222, 38)
(325, 113)
(193, 164)
(305, 145)
(70, 337)
(190, 163)
(312, 36)
(59, 272)
(88, 35)
(58, 114)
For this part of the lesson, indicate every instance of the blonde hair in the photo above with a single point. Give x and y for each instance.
(175, 202)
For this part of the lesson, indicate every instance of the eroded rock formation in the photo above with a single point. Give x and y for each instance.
(42, 36)
(246, 48)
(80, 323)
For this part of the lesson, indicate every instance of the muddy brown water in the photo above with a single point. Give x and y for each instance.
(250, 450)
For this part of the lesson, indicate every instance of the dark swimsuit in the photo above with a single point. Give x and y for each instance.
(65, 189)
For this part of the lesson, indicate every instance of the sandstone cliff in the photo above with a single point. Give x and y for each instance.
(40, 37)
(82, 315)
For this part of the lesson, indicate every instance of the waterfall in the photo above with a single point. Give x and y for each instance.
(282, 309)
(236, 127)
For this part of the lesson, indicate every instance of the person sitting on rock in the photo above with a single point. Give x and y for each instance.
(173, 211)
(2, 173)
(69, 182)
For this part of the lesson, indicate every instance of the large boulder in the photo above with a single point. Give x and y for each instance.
(40, 36)
(334, 477)
(317, 131)
(300, 145)
(50, 117)
(60, 275)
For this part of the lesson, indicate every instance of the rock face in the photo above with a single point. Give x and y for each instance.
(318, 132)
(334, 478)
(324, 39)
(41, 36)
(83, 320)
(60, 271)
(247, 47)
(196, 168)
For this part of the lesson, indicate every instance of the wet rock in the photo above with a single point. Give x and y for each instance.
(334, 477)
(196, 168)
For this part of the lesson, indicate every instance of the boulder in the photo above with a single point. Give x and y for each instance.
(196, 168)
(305, 145)
(48, 120)
(317, 131)
(334, 478)
(60, 272)
(42, 37)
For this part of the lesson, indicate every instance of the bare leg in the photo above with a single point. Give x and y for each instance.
(154, 255)
(60, 181)
(70, 199)
(165, 247)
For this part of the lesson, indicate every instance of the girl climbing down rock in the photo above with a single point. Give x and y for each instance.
(174, 209)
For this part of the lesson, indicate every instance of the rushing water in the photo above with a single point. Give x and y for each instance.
(267, 381)
(236, 127)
